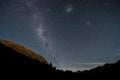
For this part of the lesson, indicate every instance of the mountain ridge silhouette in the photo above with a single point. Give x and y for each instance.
(15, 64)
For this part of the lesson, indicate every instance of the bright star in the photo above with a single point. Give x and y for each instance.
(69, 9)
(88, 22)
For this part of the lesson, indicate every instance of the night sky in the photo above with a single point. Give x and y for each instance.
(72, 34)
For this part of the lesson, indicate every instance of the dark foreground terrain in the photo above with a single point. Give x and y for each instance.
(19, 63)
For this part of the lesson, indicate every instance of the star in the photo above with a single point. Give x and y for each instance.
(88, 22)
(48, 9)
(107, 3)
(69, 9)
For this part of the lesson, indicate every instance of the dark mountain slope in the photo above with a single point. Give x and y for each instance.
(13, 63)
(22, 50)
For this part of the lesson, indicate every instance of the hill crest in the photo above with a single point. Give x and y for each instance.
(23, 50)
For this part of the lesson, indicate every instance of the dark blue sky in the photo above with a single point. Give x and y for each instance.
(72, 34)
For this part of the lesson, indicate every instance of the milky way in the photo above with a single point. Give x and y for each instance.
(38, 22)
(39, 26)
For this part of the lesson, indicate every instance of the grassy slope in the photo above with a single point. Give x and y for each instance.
(23, 50)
